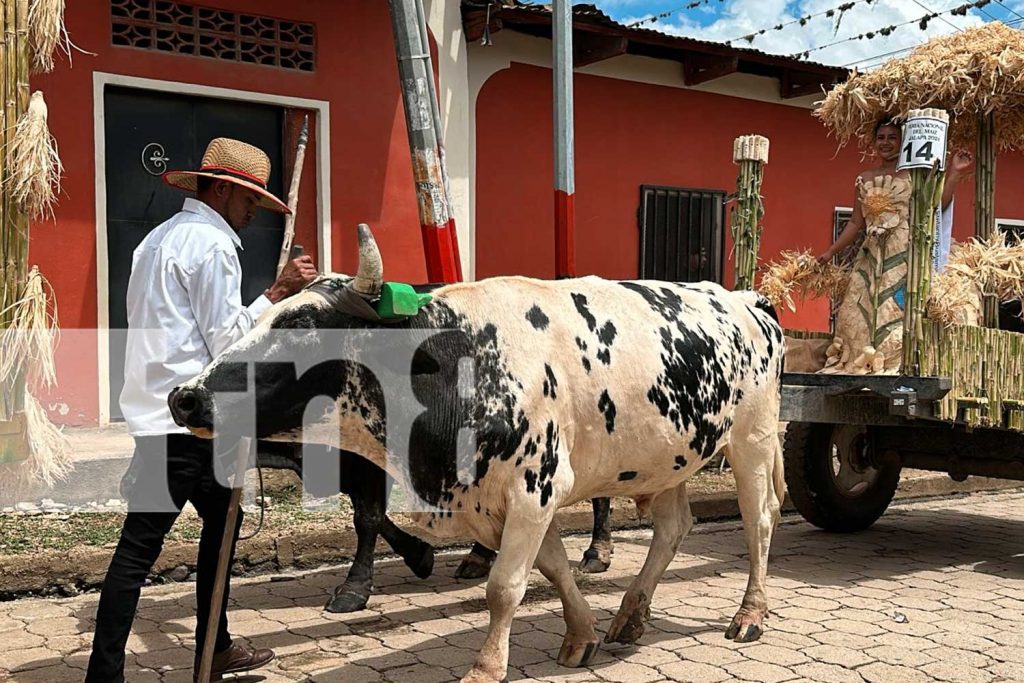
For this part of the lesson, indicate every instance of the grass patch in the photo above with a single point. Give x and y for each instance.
(24, 535)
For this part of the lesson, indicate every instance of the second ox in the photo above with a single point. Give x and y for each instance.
(528, 396)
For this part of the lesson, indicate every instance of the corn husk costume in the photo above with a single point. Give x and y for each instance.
(870, 315)
(977, 76)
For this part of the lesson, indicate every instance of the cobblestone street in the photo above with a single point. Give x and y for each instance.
(934, 591)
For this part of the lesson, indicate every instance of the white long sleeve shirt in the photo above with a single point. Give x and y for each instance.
(184, 308)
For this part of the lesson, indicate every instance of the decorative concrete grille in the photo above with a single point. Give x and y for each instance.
(219, 34)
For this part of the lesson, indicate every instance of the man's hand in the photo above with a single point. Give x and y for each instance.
(960, 162)
(295, 275)
(823, 258)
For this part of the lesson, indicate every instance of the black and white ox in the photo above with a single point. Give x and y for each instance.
(581, 388)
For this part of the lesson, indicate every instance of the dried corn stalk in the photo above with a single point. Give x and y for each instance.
(971, 72)
(799, 274)
(976, 268)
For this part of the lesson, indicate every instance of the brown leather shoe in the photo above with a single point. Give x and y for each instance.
(236, 659)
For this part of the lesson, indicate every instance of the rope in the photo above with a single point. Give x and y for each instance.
(263, 503)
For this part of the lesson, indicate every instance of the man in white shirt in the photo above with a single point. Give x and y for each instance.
(184, 308)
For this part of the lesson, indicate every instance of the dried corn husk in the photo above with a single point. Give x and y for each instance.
(29, 343)
(30, 339)
(976, 268)
(974, 71)
(799, 274)
(34, 163)
(47, 33)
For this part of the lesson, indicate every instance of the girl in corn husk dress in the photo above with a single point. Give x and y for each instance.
(869, 319)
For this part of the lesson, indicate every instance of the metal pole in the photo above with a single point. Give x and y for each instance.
(565, 183)
(426, 141)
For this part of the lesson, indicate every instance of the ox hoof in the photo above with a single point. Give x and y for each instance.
(576, 653)
(473, 567)
(628, 625)
(345, 601)
(423, 565)
(596, 560)
(480, 676)
(745, 627)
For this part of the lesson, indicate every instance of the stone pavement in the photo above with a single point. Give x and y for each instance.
(934, 591)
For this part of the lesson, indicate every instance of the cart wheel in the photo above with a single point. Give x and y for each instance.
(833, 480)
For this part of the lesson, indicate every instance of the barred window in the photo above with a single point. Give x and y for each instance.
(681, 234)
(219, 34)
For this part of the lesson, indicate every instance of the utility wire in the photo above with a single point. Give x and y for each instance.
(1010, 9)
(883, 55)
(926, 8)
(662, 15)
(887, 30)
(802, 20)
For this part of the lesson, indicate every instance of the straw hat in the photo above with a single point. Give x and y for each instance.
(235, 162)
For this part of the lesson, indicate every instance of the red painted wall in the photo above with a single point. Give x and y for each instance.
(629, 134)
(371, 176)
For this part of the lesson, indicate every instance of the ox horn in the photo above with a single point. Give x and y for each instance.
(370, 275)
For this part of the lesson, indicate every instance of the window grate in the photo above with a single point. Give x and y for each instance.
(185, 29)
(681, 234)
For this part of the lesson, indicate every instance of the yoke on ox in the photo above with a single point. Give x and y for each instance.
(517, 397)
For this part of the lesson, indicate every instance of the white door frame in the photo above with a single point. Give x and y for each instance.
(100, 81)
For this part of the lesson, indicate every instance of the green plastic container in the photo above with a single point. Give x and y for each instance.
(399, 300)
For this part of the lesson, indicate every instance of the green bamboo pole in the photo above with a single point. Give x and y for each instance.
(751, 153)
(10, 246)
(925, 200)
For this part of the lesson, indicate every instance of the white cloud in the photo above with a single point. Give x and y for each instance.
(740, 17)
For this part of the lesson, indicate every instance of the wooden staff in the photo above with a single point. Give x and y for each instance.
(245, 443)
(293, 197)
(220, 581)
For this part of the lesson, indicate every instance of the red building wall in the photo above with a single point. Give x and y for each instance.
(628, 134)
(371, 176)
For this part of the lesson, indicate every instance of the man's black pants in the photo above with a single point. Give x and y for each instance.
(190, 477)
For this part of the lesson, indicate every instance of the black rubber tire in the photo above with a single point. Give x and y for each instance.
(807, 451)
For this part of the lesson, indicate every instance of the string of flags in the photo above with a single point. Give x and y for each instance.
(922, 23)
(664, 15)
(837, 12)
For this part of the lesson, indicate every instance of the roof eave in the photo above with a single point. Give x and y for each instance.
(596, 37)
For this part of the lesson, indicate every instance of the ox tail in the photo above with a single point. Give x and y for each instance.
(758, 301)
(763, 304)
(776, 337)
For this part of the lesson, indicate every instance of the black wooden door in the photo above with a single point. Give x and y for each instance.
(148, 133)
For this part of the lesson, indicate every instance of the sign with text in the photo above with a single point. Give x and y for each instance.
(924, 142)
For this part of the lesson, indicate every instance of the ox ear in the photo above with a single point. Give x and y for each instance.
(370, 276)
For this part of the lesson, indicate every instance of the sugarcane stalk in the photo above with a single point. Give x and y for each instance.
(925, 200)
(751, 153)
(984, 199)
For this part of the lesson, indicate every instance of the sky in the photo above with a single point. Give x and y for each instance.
(727, 20)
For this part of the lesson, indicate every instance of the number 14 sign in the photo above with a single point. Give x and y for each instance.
(924, 142)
